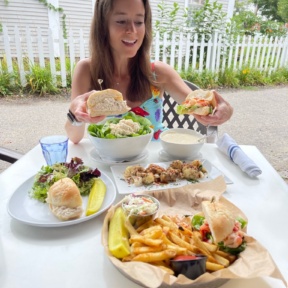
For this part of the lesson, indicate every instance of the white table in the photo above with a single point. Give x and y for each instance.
(72, 256)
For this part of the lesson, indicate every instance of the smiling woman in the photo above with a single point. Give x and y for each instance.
(120, 43)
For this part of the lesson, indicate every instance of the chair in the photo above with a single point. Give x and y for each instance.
(173, 120)
(9, 155)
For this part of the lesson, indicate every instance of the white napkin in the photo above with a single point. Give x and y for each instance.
(228, 146)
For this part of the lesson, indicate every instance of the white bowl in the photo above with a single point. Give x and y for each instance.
(121, 149)
(175, 142)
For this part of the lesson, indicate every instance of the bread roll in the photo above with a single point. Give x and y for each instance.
(106, 102)
(219, 218)
(64, 199)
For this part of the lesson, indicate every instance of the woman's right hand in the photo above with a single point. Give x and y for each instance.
(78, 107)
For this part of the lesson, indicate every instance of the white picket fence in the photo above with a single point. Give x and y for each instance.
(184, 51)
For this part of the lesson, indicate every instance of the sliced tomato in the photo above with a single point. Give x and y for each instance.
(203, 102)
(184, 257)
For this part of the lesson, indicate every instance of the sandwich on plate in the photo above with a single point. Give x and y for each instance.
(218, 225)
(64, 199)
(199, 102)
(106, 102)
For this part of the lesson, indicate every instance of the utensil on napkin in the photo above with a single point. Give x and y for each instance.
(229, 146)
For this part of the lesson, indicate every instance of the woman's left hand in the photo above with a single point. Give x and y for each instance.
(222, 114)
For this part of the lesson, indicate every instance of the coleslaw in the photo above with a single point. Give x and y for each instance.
(140, 205)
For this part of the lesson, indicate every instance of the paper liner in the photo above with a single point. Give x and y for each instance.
(253, 262)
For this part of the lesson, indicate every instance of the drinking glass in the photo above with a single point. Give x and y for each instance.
(54, 148)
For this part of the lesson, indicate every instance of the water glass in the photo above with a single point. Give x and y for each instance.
(54, 148)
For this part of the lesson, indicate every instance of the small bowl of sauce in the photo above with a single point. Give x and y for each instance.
(189, 265)
(181, 143)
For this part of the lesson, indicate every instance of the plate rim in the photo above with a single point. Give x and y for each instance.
(60, 223)
(143, 156)
(162, 154)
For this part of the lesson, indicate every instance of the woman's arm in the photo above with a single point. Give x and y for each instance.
(172, 83)
(81, 89)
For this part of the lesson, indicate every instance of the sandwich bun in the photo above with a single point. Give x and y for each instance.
(106, 102)
(219, 218)
(64, 199)
(199, 102)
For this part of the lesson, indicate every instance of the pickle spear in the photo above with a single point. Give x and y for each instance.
(96, 197)
(118, 237)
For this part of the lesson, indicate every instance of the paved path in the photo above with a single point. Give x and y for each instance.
(260, 118)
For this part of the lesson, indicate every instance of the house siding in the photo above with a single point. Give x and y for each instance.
(77, 16)
(31, 13)
(22, 13)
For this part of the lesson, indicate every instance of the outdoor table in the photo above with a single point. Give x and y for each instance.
(73, 256)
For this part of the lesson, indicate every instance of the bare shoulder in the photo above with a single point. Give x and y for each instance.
(83, 65)
(82, 69)
(81, 82)
(171, 81)
(163, 67)
(164, 71)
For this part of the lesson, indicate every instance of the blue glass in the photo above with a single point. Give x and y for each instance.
(54, 149)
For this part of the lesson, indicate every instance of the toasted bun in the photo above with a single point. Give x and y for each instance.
(220, 220)
(64, 199)
(203, 94)
(106, 102)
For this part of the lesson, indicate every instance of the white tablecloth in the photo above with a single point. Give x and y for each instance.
(72, 256)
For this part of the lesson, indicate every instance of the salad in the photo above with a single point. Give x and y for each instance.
(139, 205)
(107, 130)
(82, 175)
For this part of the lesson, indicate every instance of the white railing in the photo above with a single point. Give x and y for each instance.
(184, 51)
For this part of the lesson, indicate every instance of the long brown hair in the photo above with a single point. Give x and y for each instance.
(102, 64)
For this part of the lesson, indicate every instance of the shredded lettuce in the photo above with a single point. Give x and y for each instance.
(233, 251)
(82, 175)
(242, 222)
(104, 131)
(197, 221)
(183, 109)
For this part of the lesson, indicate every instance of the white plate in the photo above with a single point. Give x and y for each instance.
(164, 156)
(32, 212)
(124, 188)
(95, 156)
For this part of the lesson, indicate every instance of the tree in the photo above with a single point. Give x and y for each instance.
(208, 19)
(283, 10)
(269, 9)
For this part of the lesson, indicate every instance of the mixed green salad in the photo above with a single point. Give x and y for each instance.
(104, 130)
(82, 175)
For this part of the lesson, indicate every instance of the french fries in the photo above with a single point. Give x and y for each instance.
(158, 241)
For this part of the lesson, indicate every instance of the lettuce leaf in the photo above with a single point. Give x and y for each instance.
(233, 251)
(82, 175)
(104, 131)
(182, 109)
(197, 221)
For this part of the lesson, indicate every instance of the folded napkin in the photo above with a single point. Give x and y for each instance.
(228, 146)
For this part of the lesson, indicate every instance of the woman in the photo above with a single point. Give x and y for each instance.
(121, 35)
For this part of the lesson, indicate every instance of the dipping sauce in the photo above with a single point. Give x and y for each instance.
(180, 138)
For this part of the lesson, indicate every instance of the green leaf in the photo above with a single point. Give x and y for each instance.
(197, 221)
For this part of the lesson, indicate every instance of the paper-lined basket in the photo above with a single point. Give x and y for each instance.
(187, 201)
